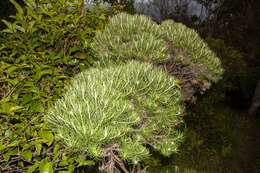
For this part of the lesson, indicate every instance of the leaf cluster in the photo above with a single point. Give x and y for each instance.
(39, 51)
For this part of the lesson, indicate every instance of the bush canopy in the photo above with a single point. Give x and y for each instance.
(128, 105)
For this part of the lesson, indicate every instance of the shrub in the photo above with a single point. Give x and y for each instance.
(130, 37)
(173, 46)
(120, 108)
(39, 50)
(197, 49)
(127, 105)
(52, 27)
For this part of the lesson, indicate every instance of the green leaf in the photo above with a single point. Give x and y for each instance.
(10, 153)
(64, 161)
(31, 26)
(13, 81)
(70, 169)
(27, 155)
(12, 69)
(56, 151)
(9, 108)
(2, 147)
(18, 7)
(9, 25)
(74, 50)
(19, 28)
(13, 144)
(2, 47)
(46, 167)
(47, 137)
(60, 77)
(6, 156)
(32, 168)
(10, 31)
(38, 148)
(82, 162)
(36, 107)
(40, 74)
(26, 98)
(81, 55)
(20, 164)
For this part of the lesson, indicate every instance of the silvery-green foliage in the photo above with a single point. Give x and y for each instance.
(197, 49)
(137, 37)
(130, 37)
(129, 105)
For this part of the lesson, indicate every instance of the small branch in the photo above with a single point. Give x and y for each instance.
(82, 8)
(111, 160)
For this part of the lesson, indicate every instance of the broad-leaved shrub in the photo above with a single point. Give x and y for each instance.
(39, 49)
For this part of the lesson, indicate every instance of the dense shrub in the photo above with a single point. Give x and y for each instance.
(217, 135)
(50, 41)
(38, 52)
(127, 105)
(120, 108)
(173, 46)
(130, 37)
(59, 27)
(196, 48)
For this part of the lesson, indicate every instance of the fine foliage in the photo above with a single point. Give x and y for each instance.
(138, 37)
(127, 105)
(130, 37)
(196, 48)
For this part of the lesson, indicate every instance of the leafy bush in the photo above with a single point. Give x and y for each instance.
(59, 27)
(127, 105)
(39, 51)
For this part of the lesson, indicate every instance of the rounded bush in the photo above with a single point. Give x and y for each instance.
(129, 106)
(196, 48)
(138, 37)
(130, 37)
